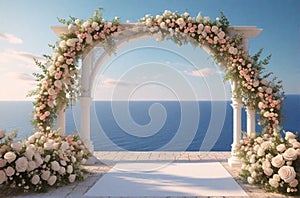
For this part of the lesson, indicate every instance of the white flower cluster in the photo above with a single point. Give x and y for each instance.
(42, 160)
(271, 161)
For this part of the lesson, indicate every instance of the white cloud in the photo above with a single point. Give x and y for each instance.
(9, 58)
(203, 73)
(15, 86)
(10, 55)
(111, 82)
(10, 38)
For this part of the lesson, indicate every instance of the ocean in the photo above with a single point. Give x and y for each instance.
(151, 125)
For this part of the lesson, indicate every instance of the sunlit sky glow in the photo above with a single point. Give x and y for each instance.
(25, 33)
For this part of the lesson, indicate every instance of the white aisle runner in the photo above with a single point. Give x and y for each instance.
(174, 179)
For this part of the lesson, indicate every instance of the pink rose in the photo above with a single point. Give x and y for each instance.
(10, 156)
(10, 171)
(3, 177)
(2, 162)
(52, 179)
(35, 179)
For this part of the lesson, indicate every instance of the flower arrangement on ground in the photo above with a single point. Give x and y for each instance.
(43, 160)
(272, 162)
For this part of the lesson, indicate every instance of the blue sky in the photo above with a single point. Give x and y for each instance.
(25, 33)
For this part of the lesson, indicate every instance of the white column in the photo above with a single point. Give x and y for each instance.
(237, 126)
(85, 104)
(250, 121)
(61, 121)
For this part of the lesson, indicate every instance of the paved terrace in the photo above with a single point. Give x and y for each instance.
(108, 159)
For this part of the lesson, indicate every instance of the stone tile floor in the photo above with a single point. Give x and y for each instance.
(107, 159)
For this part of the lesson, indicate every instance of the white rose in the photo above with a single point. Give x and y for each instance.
(167, 13)
(266, 164)
(55, 166)
(253, 174)
(70, 43)
(259, 140)
(73, 159)
(17, 146)
(29, 153)
(21, 164)
(72, 28)
(296, 145)
(214, 29)
(64, 145)
(72, 178)
(266, 145)
(51, 70)
(289, 135)
(51, 181)
(2, 162)
(2, 134)
(280, 148)
(269, 90)
(250, 180)
(88, 39)
(266, 114)
(287, 173)
(62, 44)
(55, 146)
(61, 58)
(268, 171)
(86, 24)
(31, 165)
(95, 24)
(3, 177)
(10, 171)
(148, 22)
(38, 159)
(273, 182)
(276, 177)
(294, 183)
(10, 156)
(69, 169)
(162, 25)
(58, 84)
(63, 162)
(47, 158)
(45, 175)
(35, 179)
(261, 152)
(62, 170)
(277, 161)
(77, 21)
(186, 14)
(48, 146)
(290, 154)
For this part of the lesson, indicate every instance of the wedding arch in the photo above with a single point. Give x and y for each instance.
(228, 45)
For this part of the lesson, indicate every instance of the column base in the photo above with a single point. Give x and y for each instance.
(234, 161)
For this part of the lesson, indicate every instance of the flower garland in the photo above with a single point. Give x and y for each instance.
(58, 84)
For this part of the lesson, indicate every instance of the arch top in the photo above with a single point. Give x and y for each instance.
(246, 31)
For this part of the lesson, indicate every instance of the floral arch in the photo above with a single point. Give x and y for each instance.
(61, 81)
